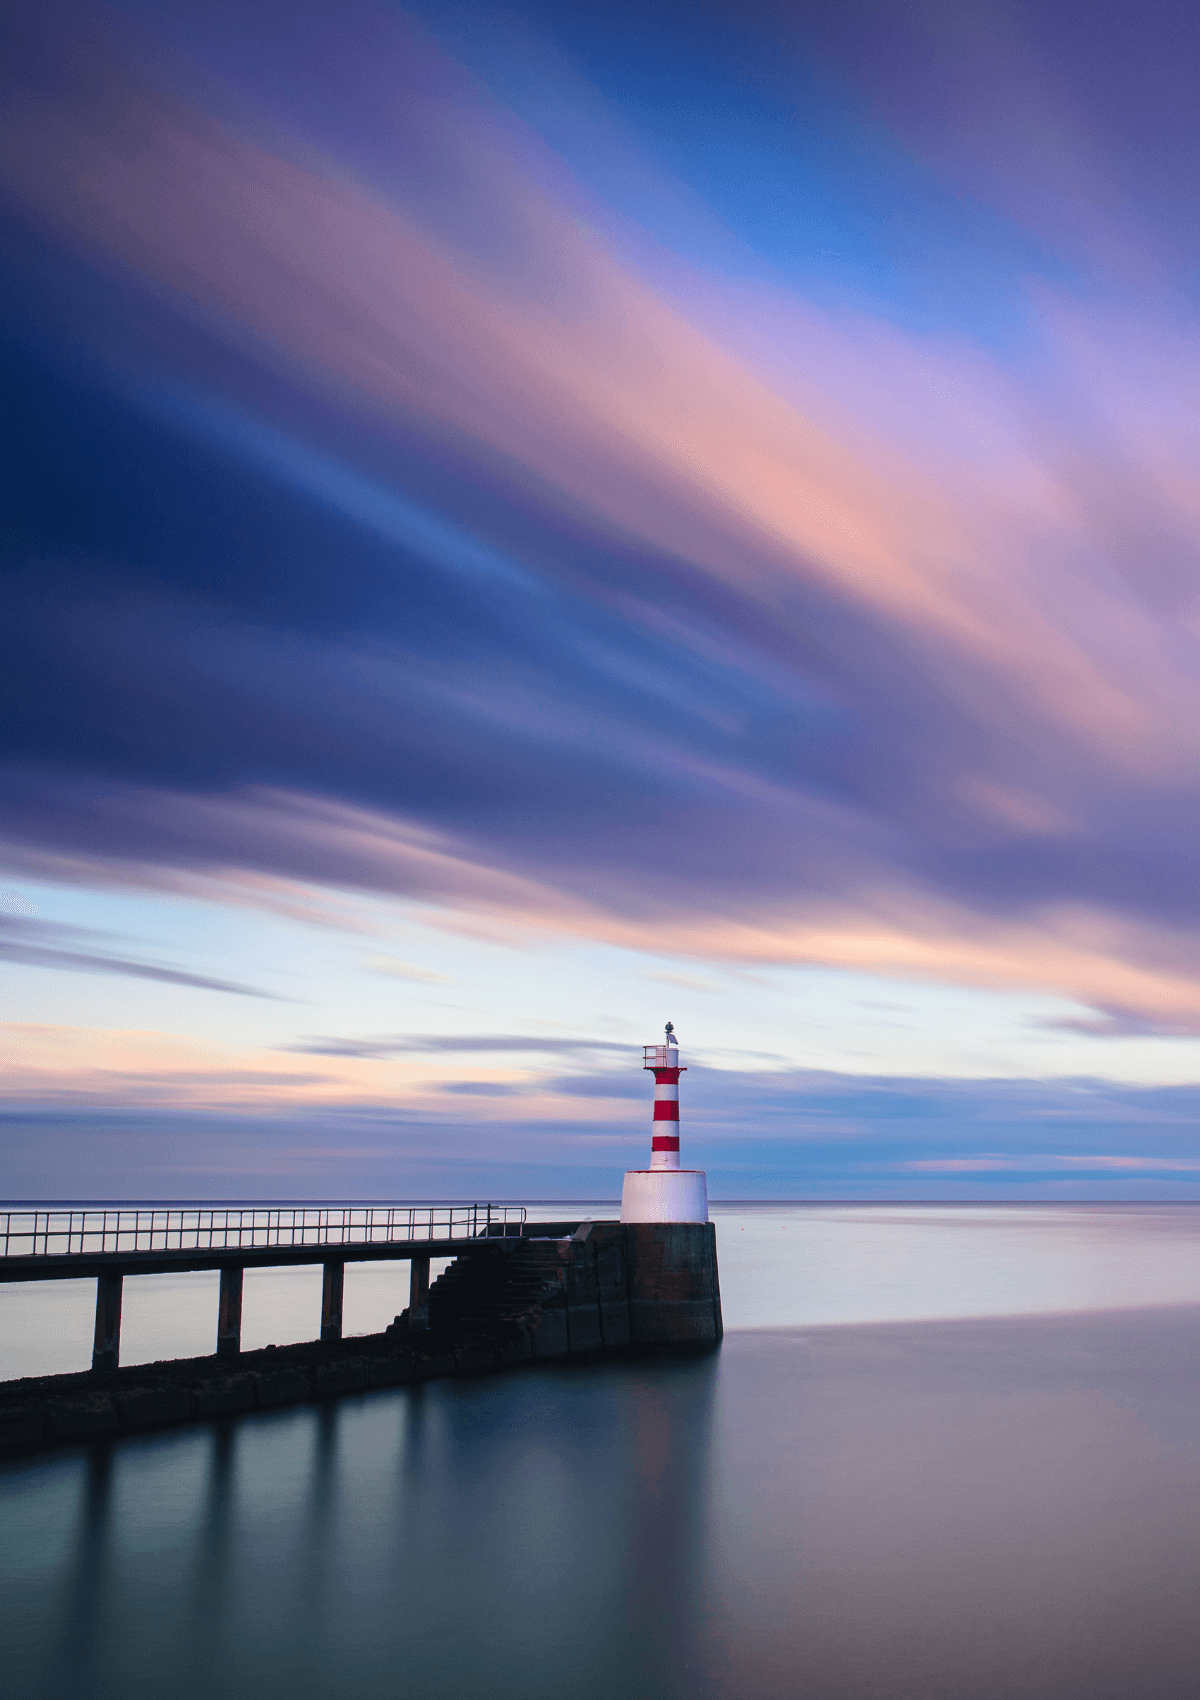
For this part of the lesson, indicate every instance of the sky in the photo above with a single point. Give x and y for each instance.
(523, 523)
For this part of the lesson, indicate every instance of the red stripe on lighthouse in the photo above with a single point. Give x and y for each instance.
(663, 1062)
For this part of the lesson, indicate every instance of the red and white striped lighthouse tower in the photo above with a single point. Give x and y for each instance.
(665, 1192)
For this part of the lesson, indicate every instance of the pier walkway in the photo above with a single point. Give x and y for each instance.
(48, 1242)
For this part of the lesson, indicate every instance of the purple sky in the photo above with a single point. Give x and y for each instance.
(523, 523)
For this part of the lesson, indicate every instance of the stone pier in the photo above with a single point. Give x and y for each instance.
(561, 1291)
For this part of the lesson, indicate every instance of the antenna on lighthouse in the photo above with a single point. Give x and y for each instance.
(665, 1192)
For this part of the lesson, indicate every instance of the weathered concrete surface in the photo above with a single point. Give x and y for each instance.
(607, 1288)
(674, 1291)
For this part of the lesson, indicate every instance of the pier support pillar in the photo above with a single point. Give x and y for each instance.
(332, 1287)
(418, 1293)
(229, 1312)
(106, 1347)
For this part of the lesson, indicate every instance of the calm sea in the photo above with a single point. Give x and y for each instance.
(943, 1451)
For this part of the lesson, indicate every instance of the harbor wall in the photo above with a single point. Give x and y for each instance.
(562, 1291)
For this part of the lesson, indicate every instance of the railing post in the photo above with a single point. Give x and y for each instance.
(332, 1286)
(418, 1293)
(229, 1311)
(106, 1347)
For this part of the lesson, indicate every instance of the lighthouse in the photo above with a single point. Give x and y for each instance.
(664, 1192)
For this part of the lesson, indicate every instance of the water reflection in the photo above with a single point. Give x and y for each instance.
(86, 1596)
(666, 1476)
(209, 1579)
(457, 1535)
(997, 1508)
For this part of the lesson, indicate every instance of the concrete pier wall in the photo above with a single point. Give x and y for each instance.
(590, 1290)
(607, 1286)
(641, 1284)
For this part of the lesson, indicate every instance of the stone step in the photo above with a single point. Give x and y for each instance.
(477, 1292)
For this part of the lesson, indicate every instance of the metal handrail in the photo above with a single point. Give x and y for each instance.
(86, 1230)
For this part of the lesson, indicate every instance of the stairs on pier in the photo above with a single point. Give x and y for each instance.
(493, 1292)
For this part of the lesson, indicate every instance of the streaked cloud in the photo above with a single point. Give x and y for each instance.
(413, 519)
(1050, 1161)
(436, 1044)
(794, 1133)
(394, 969)
(49, 944)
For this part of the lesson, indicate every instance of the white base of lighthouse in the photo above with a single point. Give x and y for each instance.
(664, 1195)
